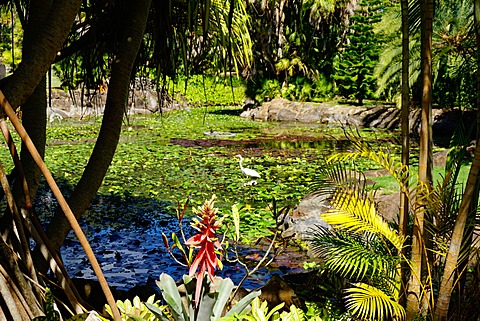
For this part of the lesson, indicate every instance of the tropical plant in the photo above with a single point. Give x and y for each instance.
(369, 252)
(209, 306)
(206, 259)
(136, 310)
(107, 37)
(292, 40)
(452, 55)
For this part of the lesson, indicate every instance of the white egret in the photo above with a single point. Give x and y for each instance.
(249, 172)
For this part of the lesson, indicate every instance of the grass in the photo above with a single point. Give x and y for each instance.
(388, 184)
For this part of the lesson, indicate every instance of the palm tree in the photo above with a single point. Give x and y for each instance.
(403, 214)
(467, 210)
(452, 55)
(363, 245)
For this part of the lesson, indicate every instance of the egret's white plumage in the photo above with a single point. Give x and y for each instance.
(250, 172)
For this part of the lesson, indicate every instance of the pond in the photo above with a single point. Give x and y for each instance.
(162, 161)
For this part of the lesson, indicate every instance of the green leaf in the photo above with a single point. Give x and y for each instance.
(172, 296)
(236, 221)
(224, 291)
(156, 311)
(243, 303)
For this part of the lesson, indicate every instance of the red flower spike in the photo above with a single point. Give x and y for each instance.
(206, 260)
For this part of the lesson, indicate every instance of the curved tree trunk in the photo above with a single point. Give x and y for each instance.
(467, 207)
(45, 32)
(34, 110)
(102, 155)
(38, 59)
(415, 294)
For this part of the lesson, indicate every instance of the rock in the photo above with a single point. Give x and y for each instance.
(388, 206)
(306, 216)
(440, 158)
(383, 117)
(277, 291)
(144, 100)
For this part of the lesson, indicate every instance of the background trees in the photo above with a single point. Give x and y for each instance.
(356, 62)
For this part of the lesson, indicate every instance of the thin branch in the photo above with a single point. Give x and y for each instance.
(259, 264)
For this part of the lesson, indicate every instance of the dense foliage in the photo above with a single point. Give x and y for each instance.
(359, 57)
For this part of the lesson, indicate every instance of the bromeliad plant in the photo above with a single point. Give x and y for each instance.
(206, 298)
(206, 241)
(209, 294)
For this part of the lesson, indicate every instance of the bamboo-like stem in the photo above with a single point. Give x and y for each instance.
(10, 259)
(24, 243)
(18, 294)
(35, 229)
(16, 161)
(56, 265)
(63, 204)
(10, 301)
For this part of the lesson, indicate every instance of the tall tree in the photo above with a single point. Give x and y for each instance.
(53, 24)
(358, 60)
(404, 204)
(418, 260)
(129, 42)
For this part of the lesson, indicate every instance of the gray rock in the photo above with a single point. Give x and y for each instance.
(306, 216)
(384, 117)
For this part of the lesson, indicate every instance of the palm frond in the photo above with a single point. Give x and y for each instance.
(358, 257)
(399, 171)
(337, 175)
(355, 214)
(371, 303)
(352, 255)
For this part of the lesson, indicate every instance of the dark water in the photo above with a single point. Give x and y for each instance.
(131, 251)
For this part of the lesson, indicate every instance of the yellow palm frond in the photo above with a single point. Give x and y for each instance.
(371, 303)
(358, 214)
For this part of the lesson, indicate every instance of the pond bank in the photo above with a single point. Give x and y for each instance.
(380, 116)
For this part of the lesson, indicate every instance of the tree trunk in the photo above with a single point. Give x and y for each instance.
(48, 41)
(419, 240)
(467, 207)
(34, 110)
(404, 210)
(448, 278)
(102, 155)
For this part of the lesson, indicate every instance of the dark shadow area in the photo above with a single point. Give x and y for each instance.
(126, 236)
(228, 112)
